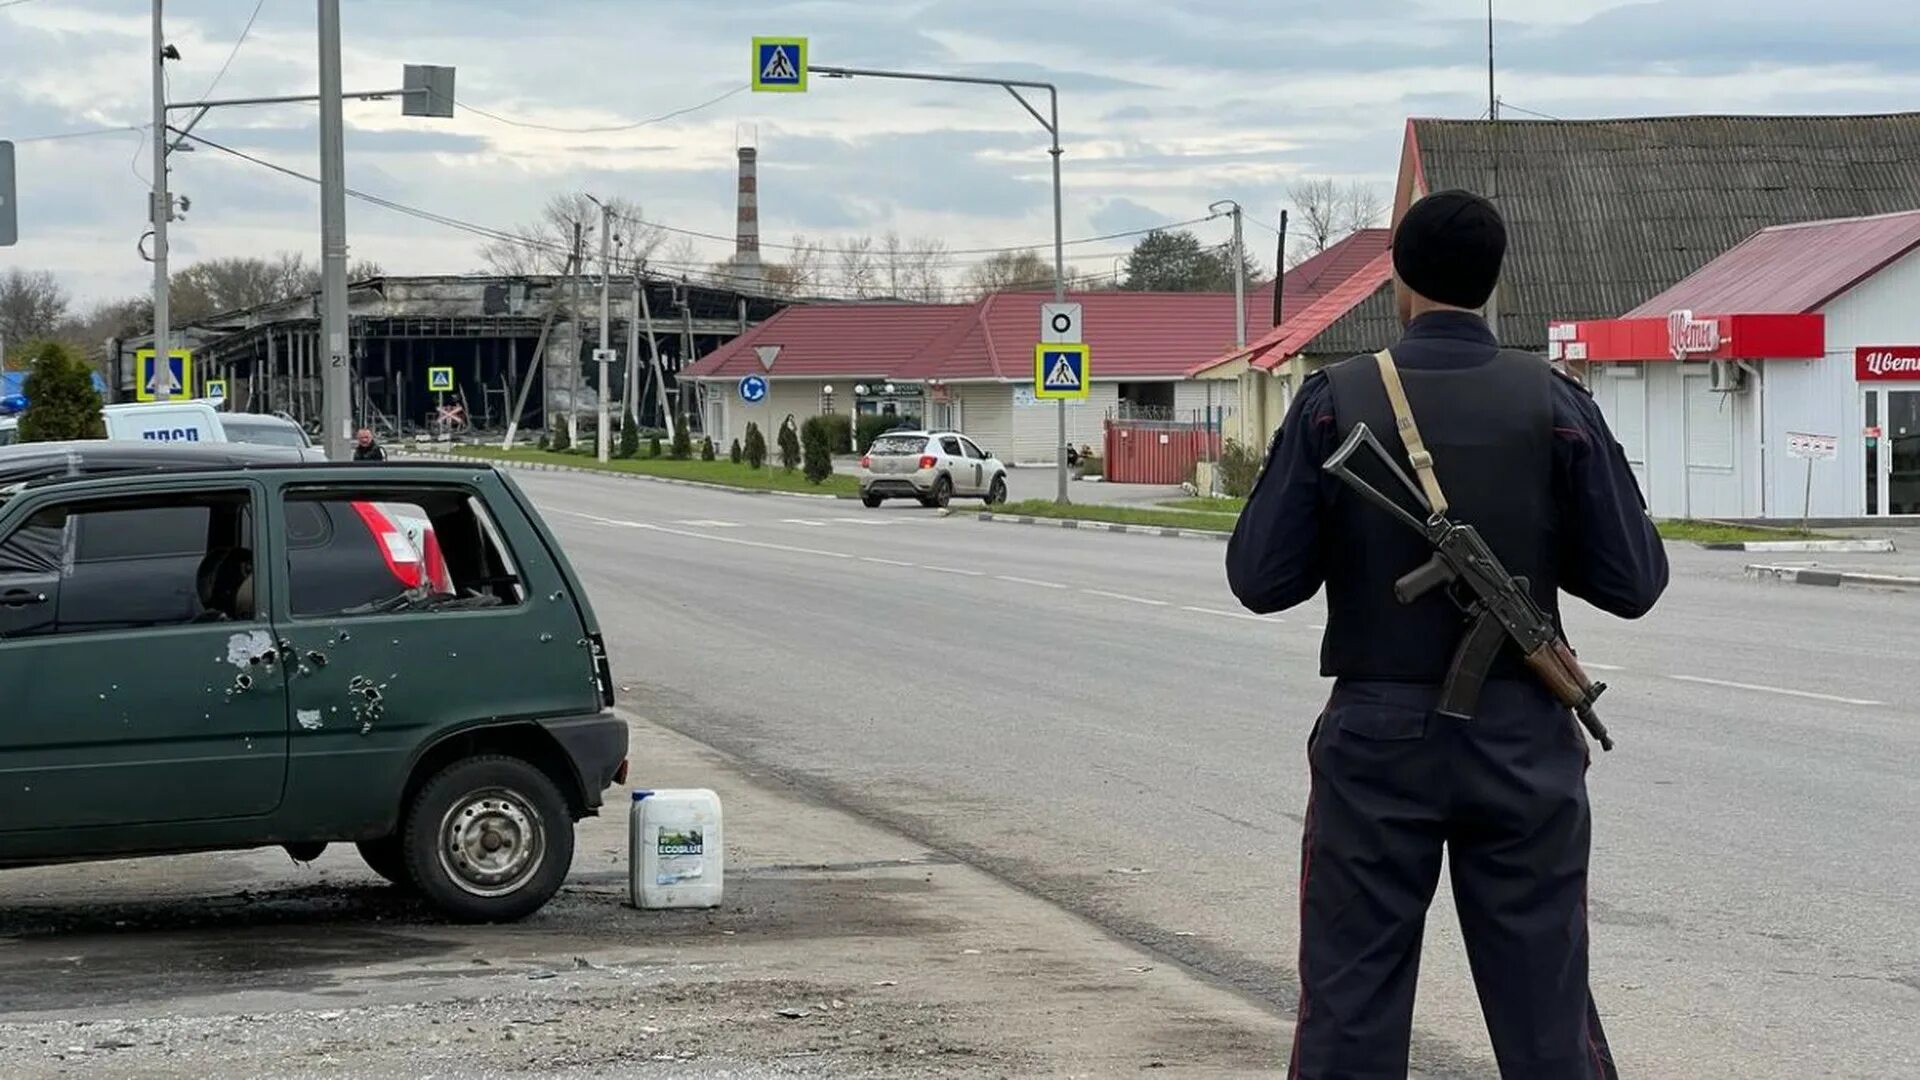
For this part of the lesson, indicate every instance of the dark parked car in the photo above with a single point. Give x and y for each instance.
(213, 647)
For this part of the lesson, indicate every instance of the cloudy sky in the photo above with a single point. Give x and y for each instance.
(1166, 105)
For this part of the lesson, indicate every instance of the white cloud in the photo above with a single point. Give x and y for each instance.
(1166, 106)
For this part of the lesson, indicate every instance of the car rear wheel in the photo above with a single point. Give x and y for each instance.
(488, 839)
(384, 857)
(942, 493)
(997, 493)
(871, 502)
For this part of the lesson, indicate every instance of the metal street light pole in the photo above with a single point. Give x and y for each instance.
(160, 211)
(1051, 122)
(336, 386)
(602, 429)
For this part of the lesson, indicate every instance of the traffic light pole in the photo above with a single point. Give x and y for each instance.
(1051, 122)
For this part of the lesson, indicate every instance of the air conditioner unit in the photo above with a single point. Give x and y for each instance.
(1726, 377)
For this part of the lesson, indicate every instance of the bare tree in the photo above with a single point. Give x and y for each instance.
(1328, 213)
(856, 272)
(805, 266)
(1013, 270)
(32, 305)
(927, 269)
(544, 245)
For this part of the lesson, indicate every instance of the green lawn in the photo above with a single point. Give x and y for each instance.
(1208, 506)
(723, 473)
(1713, 532)
(1121, 515)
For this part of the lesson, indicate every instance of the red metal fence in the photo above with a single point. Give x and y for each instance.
(1159, 451)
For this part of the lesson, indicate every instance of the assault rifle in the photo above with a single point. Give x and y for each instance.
(1498, 607)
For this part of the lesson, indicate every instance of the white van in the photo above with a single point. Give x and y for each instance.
(171, 421)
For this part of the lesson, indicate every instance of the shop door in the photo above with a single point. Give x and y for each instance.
(1891, 431)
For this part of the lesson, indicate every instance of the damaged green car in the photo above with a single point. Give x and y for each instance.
(207, 648)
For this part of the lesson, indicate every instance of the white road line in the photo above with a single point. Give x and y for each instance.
(951, 570)
(887, 562)
(1316, 627)
(1125, 598)
(709, 538)
(1600, 667)
(1244, 616)
(707, 523)
(1029, 582)
(803, 521)
(1774, 690)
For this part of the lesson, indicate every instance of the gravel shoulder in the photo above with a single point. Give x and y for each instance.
(842, 950)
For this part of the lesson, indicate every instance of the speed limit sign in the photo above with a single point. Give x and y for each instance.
(1060, 324)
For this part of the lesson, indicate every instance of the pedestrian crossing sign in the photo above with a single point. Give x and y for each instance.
(1060, 371)
(440, 380)
(177, 374)
(780, 65)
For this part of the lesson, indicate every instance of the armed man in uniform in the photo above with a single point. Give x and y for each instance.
(1413, 752)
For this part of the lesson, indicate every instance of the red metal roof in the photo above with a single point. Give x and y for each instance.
(1285, 341)
(1131, 334)
(833, 340)
(1319, 275)
(1791, 269)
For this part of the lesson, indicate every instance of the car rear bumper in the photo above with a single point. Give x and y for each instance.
(896, 487)
(597, 747)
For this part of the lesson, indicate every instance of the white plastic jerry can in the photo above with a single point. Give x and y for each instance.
(675, 856)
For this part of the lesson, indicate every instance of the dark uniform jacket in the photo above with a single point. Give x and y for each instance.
(1301, 525)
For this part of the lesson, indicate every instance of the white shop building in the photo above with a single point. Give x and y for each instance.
(1782, 378)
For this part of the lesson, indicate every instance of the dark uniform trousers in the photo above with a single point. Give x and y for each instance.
(1505, 796)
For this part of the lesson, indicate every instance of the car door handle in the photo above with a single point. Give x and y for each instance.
(19, 598)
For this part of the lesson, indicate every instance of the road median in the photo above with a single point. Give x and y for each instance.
(1813, 575)
(712, 475)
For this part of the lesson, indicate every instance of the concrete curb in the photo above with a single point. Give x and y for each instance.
(1104, 526)
(1835, 547)
(542, 466)
(1802, 575)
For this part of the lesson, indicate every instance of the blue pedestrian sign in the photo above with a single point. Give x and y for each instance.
(753, 389)
(1060, 371)
(780, 65)
(177, 375)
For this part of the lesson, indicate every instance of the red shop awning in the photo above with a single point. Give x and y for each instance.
(1684, 335)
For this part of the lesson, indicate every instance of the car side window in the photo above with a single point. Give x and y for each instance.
(130, 563)
(973, 451)
(371, 551)
(951, 446)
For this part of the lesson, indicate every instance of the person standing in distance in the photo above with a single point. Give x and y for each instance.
(1525, 457)
(366, 448)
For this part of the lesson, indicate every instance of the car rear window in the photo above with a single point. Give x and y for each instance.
(258, 434)
(369, 551)
(899, 444)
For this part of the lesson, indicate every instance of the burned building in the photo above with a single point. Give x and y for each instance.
(516, 346)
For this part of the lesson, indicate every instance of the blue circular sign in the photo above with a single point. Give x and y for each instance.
(753, 389)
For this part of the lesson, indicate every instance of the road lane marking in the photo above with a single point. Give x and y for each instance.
(803, 521)
(1600, 667)
(1244, 616)
(887, 562)
(1774, 690)
(1029, 582)
(951, 570)
(709, 538)
(1316, 627)
(1125, 598)
(708, 523)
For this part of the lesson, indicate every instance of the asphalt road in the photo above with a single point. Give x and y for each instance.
(1092, 717)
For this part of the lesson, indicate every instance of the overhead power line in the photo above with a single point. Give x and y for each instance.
(604, 129)
(244, 32)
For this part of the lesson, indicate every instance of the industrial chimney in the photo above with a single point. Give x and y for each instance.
(746, 251)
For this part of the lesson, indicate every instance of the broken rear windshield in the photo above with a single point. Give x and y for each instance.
(899, 444)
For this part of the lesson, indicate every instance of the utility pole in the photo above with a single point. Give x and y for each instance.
(160, 211)
(573, 361)
(603, 430)
(336, 385)
(1239, 272)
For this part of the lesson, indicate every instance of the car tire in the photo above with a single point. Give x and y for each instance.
(871, 502)
(942, 493)
(384, 857)
(997, 491)
(488, 839)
